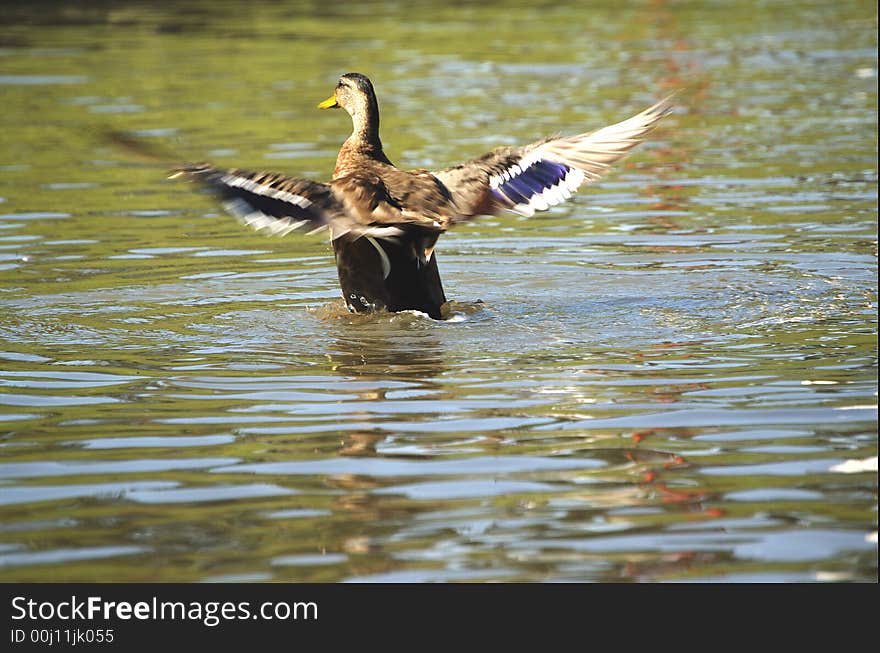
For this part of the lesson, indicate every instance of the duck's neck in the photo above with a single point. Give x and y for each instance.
(364, 140)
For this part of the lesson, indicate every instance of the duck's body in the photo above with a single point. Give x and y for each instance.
(411, 284)
(384, 222)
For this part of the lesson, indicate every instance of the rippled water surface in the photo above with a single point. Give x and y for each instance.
(673, 377)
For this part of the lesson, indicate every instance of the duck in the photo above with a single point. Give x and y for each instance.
(384, 222)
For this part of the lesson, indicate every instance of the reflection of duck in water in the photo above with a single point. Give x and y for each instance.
(384, 222)
(396, 355)
(394, 352)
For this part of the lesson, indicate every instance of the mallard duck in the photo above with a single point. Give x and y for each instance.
(384, 222)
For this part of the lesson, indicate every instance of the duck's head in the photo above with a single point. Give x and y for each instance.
(355, 94)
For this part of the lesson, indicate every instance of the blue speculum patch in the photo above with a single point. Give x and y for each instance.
(532, 181)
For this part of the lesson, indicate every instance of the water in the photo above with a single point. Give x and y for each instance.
(673, 377)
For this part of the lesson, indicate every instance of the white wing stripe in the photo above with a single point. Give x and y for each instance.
(266, 191)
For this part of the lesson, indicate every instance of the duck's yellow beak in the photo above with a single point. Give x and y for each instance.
(329, 103)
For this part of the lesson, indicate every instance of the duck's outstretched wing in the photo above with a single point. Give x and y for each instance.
(277, 204)
(543, 174)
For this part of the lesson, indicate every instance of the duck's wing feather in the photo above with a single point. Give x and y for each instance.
(545, 173)
(406, 201)
(277, 204)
